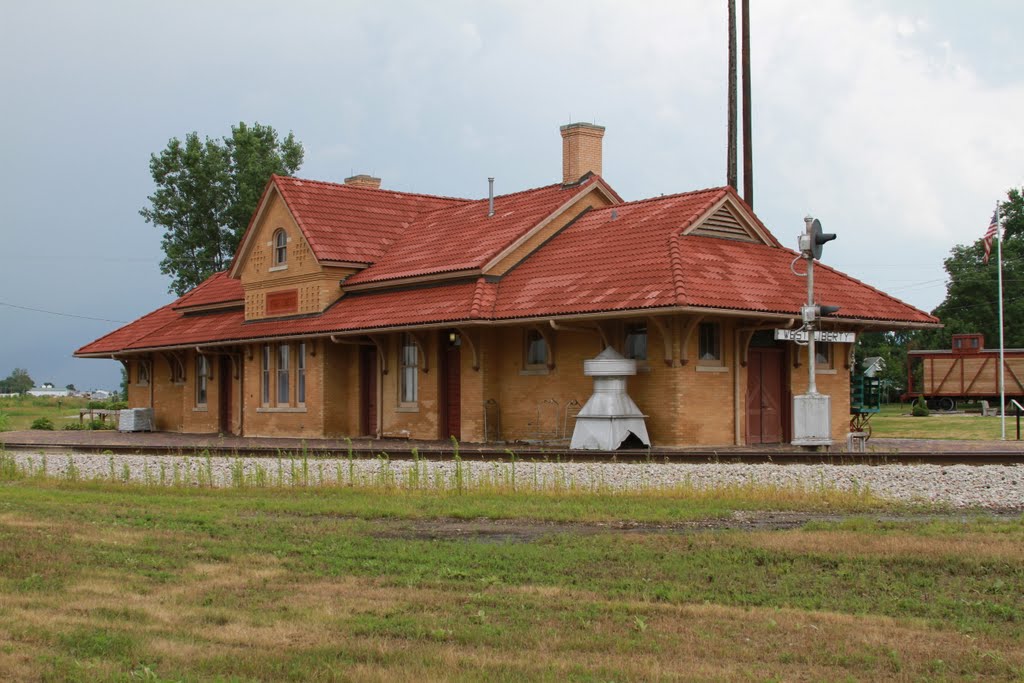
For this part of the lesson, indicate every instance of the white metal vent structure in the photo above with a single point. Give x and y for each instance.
(609, 416)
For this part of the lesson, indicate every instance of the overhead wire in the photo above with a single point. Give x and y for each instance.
(58, 313)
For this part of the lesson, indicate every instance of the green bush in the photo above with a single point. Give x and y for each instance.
(4, 422)
(100, 424)
(74, 427)
(42, 423)
(920, 408)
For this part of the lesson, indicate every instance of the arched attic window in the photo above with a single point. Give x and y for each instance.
(280, 248)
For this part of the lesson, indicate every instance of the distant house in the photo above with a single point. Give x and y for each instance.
(99, 395)
(873, 365)
(354, 310)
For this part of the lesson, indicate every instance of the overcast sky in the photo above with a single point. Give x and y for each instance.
(895, 123)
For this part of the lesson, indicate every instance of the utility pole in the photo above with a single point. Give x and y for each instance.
(731, 178)
(748, 152)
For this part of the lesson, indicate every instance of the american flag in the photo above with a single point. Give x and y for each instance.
(993, 228)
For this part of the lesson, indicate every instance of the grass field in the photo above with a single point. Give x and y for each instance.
(18, 412)
(895, 421)
(104, 581)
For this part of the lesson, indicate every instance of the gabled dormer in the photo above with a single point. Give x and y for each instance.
(306, 237)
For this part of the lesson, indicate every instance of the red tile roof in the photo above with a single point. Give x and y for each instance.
(216, 289)
(610, 259)
(752, 277)
(121, 338)
(628, 257)
(348, 223)
(468, 238)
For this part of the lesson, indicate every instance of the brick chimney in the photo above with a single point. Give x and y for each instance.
(581, 150)
(363, 180)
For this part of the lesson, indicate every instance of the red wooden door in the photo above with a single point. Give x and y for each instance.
(765, 406)
(367, 390)
(451, 406)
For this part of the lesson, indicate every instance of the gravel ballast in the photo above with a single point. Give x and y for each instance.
(959, 486)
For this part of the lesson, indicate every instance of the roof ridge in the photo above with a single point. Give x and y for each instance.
(328, 183)
(721, 188)
(676, 262)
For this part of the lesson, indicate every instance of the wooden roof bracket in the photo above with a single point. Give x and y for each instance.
(124, 364)
(176, 364)
(473, 346)
(548, 335)
(851, 354)
(666, 332)
(684, 340)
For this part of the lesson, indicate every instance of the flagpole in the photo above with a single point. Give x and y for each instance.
(1002, 361)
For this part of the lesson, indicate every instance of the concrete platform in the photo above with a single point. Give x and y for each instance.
(878, 449)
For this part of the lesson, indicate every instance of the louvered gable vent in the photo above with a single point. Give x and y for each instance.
(725, 225)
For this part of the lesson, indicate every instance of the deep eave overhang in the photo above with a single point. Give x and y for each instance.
(862, 324)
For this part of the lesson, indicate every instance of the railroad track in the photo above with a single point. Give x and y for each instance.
(399, 450)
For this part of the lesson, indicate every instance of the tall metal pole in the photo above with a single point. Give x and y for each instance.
(748, 149)
(1002, 360)
(812, 386)
(730, 162)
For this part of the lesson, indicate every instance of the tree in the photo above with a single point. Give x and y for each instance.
(18, 382)
(206, 193)
(71, 387)
(972, 302)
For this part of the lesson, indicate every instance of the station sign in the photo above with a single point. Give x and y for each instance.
(819, 336)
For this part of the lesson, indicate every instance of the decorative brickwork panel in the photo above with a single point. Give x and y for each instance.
(283, 303)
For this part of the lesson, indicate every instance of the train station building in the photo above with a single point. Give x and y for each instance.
(353, 310)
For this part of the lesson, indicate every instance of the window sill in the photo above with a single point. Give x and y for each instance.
(200, 409)
(541, 370)
(825, 371)
(711, 368)
(281, 409)
(277, 269)
(408, 408)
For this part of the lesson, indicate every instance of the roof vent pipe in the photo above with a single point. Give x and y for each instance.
(490, 201)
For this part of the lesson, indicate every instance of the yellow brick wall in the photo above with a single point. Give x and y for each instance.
(341, 389)
(285, 420)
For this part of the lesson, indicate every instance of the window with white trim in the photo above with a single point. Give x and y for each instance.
(265, 376)
(535, 351)
(300, 378)
(635, 346)
(202, 377)
(823, 355)
(408, 377)
(283, 374)
(280, 248)
(709, 344)
(142, 372)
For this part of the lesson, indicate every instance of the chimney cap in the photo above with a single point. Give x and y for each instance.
(363, 180)
(581, 125)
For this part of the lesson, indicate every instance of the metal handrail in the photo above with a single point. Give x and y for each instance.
(1020, 409)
